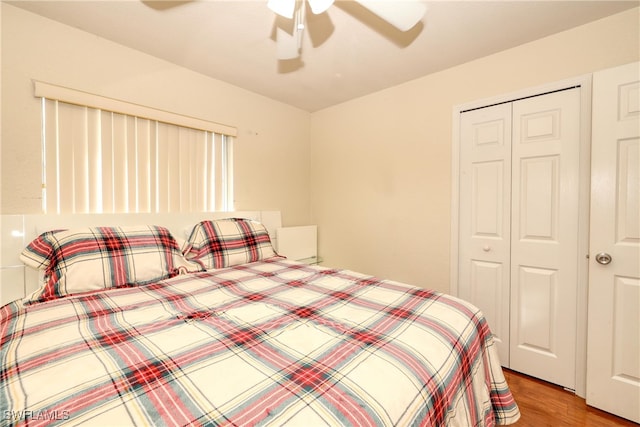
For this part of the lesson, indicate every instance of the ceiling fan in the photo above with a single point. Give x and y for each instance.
(403, 15)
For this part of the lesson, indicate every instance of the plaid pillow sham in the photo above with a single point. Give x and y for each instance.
(94, 258)
(228, 242)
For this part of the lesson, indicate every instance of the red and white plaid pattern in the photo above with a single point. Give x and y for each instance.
(269, 343)
(228, 242)
(92, 258)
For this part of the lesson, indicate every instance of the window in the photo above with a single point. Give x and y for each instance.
(104, 155)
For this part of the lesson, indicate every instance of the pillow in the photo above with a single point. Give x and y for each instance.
(228, 242)
(92, 258)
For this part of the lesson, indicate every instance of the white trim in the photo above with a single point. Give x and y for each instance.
(455, 195)
(73, 96)
(584, 82)
(584, 201)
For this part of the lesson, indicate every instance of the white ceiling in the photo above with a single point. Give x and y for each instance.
(347, 52)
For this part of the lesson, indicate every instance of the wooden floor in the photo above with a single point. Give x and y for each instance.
(543, 404)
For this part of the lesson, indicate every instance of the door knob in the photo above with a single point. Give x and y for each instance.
(603, 258)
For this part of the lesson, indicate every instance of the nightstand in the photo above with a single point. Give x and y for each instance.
(298, 243)
(314, 260)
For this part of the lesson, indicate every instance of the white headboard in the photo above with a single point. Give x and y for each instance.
(16, 231)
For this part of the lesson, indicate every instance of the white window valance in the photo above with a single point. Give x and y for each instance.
(73, 96)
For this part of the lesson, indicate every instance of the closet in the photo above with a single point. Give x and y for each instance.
(519, 177)
(546, 231)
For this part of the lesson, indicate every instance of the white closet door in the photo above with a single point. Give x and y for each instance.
(544, 235)
(485, 187)
(613, 355)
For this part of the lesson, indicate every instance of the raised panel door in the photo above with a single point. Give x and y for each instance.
(544, 235)
(485, 186)
(613, 353)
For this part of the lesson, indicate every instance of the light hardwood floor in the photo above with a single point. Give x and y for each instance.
(542, 404)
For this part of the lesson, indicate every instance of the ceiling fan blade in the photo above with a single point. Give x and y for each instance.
(319, 6)
(403, 15)
(282, 7)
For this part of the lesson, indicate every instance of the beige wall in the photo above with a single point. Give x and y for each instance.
(380, 177)
(35, 48)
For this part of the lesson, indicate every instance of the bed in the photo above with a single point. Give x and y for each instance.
(131, 327)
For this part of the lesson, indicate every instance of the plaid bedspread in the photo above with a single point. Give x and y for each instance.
(266, 343)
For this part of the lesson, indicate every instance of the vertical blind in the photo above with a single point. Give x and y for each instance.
(101, 161)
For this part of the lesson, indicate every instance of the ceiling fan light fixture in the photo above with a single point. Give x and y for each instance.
(282, 7)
